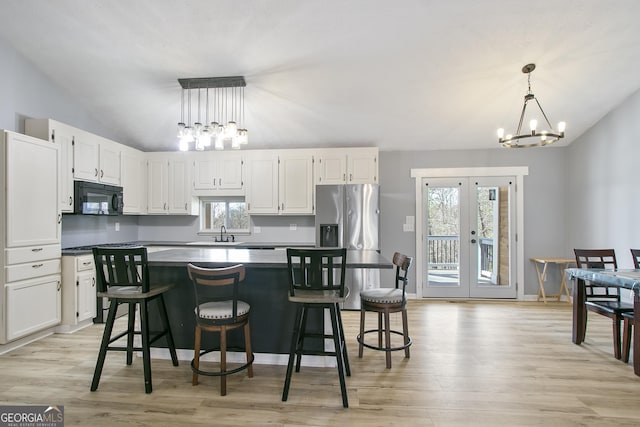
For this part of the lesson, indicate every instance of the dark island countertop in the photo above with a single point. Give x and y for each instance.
(84, 250)
(217, 257)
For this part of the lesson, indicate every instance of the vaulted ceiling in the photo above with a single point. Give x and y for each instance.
(400, 75)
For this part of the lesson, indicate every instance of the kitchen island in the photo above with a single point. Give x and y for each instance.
(265, 288)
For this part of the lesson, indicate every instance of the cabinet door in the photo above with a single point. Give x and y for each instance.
(109, 163)
(296, 182)
(32, 191)
(331, 167)
(86, 295)
(204, 172)
(179, 186)
(362, 166)
(157, 186)
(230, 172)
(262, 183)
(134, 182)
(65, 186)
(86, 157)
(32, 305)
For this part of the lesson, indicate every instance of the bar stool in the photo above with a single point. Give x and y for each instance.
(123, 277)
(316, 281)
(385, 301)
(218, 309)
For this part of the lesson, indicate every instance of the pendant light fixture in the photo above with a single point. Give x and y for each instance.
(227, 100)
(543, 135)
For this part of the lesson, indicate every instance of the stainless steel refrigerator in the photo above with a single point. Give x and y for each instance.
(348, 216)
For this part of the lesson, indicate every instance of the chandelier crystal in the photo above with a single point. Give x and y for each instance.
(544, 136)
(225, 95)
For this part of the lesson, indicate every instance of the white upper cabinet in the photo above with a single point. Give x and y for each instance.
(295, 175)
(31, 185)
(157, 184)
(180, 200)
(347, 166)
(218, 173)
(63, 135)
(280, 182)
(134, 181)
(169, 184)
(96, 159)
(262, 182)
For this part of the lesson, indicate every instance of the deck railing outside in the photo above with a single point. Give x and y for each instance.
(443, 253)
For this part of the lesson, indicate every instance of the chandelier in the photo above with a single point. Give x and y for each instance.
(544, 136)
(225, 95)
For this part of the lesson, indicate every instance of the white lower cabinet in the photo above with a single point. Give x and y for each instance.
(30, 290)
(32, 305)
(78, 292)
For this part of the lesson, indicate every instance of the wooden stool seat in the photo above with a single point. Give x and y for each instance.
(122, 277)
(385, 301)
(219, 310)
(317, 281)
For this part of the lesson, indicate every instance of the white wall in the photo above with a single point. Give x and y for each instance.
(27, 93)
(603, 197)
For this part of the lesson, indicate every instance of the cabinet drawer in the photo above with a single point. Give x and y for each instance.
(33, 269)
(32, 305)
(84, 263)
(31, 253)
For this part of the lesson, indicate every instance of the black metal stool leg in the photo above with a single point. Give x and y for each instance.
(339, 360)
(292, 352)
(167, 328)
(106, 337)
(343, 342)
(131, 320)
(301, 334)
(361, 336)
(146, 351)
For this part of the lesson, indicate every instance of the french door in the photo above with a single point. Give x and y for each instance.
(469, 237)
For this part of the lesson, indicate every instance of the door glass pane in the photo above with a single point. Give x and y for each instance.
(443, 236)
(492, 225)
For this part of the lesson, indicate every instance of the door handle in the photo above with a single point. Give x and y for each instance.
(101, 173)
(95, 172)
(37, 265)
(473, 240)
(70, 200)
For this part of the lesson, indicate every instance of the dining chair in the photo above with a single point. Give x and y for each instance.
(628, 318)
(122, 276)
(317, 282)
(385, 301)
(602, 299)
(219, 309)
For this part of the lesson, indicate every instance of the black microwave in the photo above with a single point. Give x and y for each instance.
(97, 199)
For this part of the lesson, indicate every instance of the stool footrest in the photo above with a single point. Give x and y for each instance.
(218, 373)
(361, 341)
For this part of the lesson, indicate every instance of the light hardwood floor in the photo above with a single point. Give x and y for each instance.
(472, 363)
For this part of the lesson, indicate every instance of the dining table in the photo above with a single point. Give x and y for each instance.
(628, 279)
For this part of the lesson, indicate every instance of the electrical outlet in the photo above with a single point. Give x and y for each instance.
(257, 230)
(293, 227)
(117, 226)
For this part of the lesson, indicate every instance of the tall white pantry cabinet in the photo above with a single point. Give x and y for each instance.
(30, 300)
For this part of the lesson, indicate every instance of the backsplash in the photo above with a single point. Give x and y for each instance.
(81, 230)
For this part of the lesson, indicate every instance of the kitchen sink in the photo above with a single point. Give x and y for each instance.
(212, 243)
